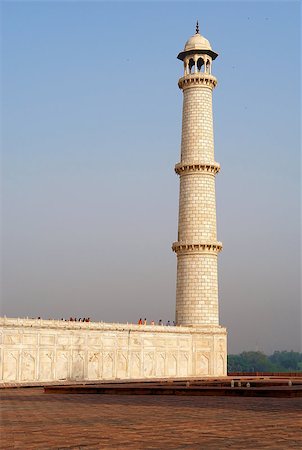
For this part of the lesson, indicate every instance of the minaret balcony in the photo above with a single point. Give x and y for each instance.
(197, 79)
(187, 167)
(191, 248)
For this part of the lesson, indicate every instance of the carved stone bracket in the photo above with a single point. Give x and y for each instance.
(184, 168)
(194, 79)
(205, 247)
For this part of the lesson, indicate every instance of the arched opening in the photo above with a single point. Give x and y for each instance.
(191, 65)
(208, 67)
(199, 64)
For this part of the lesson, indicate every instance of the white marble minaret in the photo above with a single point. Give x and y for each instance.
(197, 246)
(34, 350)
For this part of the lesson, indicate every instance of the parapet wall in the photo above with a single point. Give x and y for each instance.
(49, 350)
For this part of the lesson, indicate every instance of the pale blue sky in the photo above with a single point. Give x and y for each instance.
(91, 122)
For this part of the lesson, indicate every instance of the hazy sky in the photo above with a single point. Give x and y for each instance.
(91, 123)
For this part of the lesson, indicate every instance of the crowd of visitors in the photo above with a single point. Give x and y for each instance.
(140, 322)
(72, 319)
(160, 322)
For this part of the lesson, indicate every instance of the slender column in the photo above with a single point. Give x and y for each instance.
(197, 246)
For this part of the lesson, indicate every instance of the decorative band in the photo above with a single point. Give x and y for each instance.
(197, 167)
(206, 247)
(201, 79)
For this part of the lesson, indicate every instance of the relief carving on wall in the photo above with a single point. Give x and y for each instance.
(172, 364)
(93, 365)
(62, 365)
(203, 364)
(108, 365)
(77, 372)
(12, 339)
(220, 365)
(28, 363)
(183, 364)
(62, 362)
(46, 365)
(47, 339)
(10, 369)
(135, 365)
(122, 364)
(160, 364)
(149, 364)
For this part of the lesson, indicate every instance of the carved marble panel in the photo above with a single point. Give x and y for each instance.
(94, 340)
(135, 341)
(159, 343)
(202, 364)
(10, 365)
(108, 342)
(78, 340)
(47, 339)
(122, 365)
(12, 338)
(108, 365)
(77, 370)
(94, 365)
(221, 345)
(148, 342)
(160, 364)
(184, 343)
(171, 342)
(62, 366)
(46, 359)
(172, 364)
(30, 339)
(149, 364)
(28, 365)
(183, 370)
(220, 365)
(203, 344)
(63, 340)
(122, 342)
(135, 365)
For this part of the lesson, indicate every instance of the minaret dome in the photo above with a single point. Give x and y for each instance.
(197, 53)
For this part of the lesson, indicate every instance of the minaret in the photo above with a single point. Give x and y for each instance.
(197, 246)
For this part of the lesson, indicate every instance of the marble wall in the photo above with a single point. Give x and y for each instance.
(47, 350)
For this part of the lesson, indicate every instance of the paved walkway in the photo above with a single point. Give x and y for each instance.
(34, 420)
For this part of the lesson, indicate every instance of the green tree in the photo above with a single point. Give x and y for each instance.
(258, 362)
(250, 362)
(287, 361)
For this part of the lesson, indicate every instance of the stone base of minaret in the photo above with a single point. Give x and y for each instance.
(38, 351)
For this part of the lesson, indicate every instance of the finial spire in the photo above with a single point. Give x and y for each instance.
(197, 27)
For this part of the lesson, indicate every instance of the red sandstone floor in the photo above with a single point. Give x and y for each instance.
(31, 419)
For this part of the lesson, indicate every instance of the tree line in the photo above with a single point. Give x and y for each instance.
(259, 362)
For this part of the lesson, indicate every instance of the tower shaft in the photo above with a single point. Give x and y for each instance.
(197, 247)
